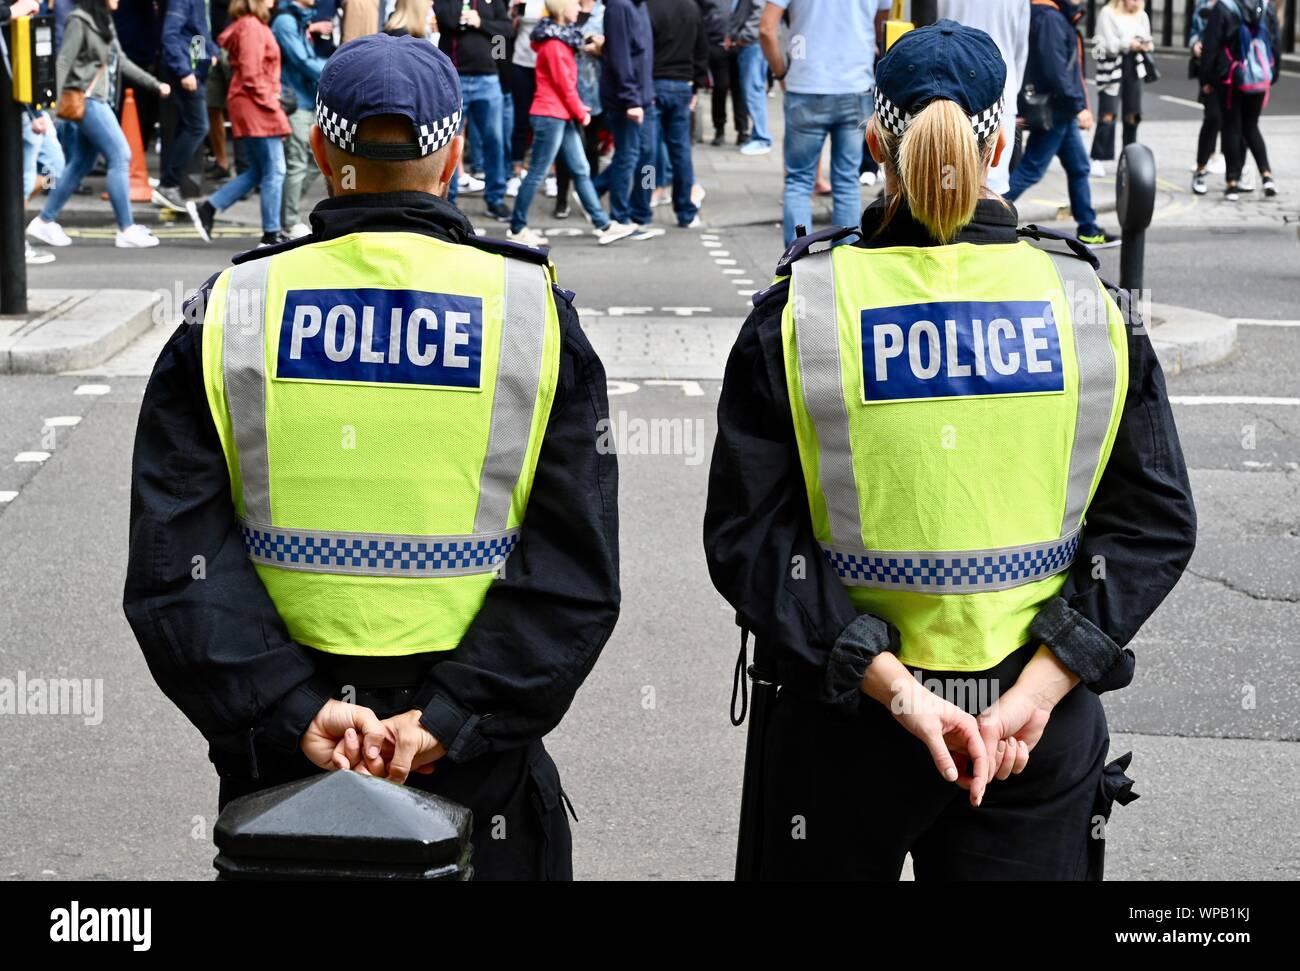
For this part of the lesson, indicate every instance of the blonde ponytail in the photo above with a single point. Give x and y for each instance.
(939, 166)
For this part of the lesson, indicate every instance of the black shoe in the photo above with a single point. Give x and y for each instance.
(273, 239)
(718, 139)
(1231, 193)
(499, 211)
(1198, 184)
(562, 209)
(215, 173)
(1099, 240)
(203, 216)
(1270, 187)
(742, 137)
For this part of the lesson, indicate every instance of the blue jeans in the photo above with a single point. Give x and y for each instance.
(40, 148)
(1063, 141)
(809, 119)
(482, 101)
(191, 129)
(551, 136)
(266, 170)
(629, 177)
(753, 79)
(98, 133)
(673, 102)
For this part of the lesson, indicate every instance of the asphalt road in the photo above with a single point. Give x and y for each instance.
(647, 752)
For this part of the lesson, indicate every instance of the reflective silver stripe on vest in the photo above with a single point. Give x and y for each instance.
(376, 554)
(1096, 365)
(817, 340)
(243, 364)
(519, 368)
(957, 571)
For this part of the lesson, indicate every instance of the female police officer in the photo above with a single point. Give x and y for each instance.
(945, 461)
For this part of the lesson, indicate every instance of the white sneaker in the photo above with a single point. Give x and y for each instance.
(696, 223)
(552, 187)
(527, 236)
(646, 232)
(697, 195)
(1217, 165)
(299, 230)
(49, 233)
(469, 185)
(867, 178)
(755, 147)
(135, 236)
(614, 232)
(512, 186)
(36, 257)
(1097, 169)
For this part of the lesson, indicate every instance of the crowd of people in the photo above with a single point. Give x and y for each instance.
(596, 99)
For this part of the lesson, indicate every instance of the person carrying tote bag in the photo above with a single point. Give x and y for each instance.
(91, 67)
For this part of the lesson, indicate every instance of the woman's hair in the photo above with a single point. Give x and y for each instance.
(261, 9)
(99, 14)
(411, 16)
(939, 167)
(555, 8)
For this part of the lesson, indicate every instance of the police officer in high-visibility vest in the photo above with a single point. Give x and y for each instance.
(370, 526)
(947, 491)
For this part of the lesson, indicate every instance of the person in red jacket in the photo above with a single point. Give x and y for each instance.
(556, 113)
(256, 118)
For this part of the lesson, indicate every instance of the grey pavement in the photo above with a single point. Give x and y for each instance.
(647, 753)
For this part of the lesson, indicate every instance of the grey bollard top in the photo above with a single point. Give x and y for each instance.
(343, 826)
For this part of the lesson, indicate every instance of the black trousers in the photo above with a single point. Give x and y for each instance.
(523, 86)
(520, 830)
(1211, 125)
(847, 796)
(724, 69)
(1241, 131)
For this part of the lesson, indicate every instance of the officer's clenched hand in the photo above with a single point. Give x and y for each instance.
(341, 734)
(946, 730)
(1013, 724)
(412, 746)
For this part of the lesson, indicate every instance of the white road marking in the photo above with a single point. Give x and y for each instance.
(63, 421)
(1229, 399)
(691, 389)
(7, 496)
(746, 293)
(1260, 322)
(720, 252)
(629, 311)
(733, 271)
(31, 456)
(92, 389)
(620, 387)
(688, 311)
(708, 238)
(1182, 101)
(725, 262)
(742, 281)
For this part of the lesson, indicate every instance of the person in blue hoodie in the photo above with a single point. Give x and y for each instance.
(187, 53)
(300, 67)
(1055, 67)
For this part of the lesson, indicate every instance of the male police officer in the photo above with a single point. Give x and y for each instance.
(941, 451)
(371, 473)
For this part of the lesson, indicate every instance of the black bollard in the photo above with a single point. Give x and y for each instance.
(13, 259)
(1135, 200)
(343, 826)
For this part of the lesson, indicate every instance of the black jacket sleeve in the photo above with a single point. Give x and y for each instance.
(1138, 534)
(1212, 68)
(494, 20)
(758, 539)
(208, 629)
(542, 626)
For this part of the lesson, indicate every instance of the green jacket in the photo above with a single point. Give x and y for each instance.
(85, 50)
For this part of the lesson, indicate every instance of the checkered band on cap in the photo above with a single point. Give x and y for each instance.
(433, 137)
(895, 120)
(337, 129)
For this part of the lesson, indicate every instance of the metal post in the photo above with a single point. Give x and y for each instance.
(13, 254)
(1135, 199)
(1290, 28)
(1167, 28)
(925, 12)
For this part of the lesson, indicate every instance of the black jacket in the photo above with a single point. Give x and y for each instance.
(1055, 63)
(471, 48)
(681, 42)
(218, 648)
(1223, 34)
(1141, 519)
(628, 57)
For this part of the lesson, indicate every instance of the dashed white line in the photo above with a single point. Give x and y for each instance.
(620, 387)
(92, 389)
(31, 456)
(6, 496)
(63, 421)
(1185, 102)
(720, 252)
(691, 389)
(1260, 322)
(733, 271)
(725, 262)
(742, 281)
(1229, 399)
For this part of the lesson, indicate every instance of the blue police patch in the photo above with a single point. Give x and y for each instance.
(382, 336)
(961, 349)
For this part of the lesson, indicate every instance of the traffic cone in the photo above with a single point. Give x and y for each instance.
(140, 191)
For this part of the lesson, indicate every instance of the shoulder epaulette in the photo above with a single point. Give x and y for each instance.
(1079, 249)
(781, 286)
(504, 247)
(803, 245)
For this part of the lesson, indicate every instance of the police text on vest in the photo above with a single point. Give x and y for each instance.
(960, 349)
(381, 336)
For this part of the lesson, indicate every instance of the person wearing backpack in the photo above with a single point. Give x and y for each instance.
(1238, 66)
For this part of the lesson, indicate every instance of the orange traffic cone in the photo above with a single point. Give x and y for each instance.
(140, 191)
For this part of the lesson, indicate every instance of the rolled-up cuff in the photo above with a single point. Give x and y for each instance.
(284, 725)
(454, 727)
(856, 647)
(1085, 649)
